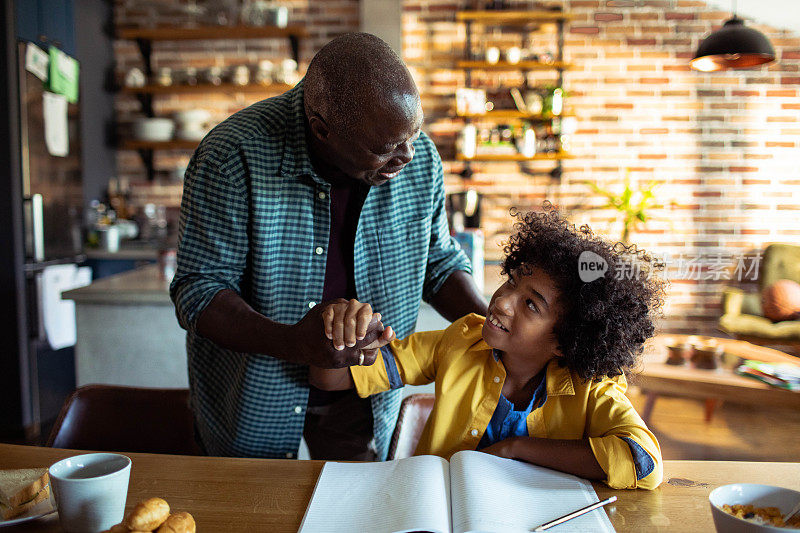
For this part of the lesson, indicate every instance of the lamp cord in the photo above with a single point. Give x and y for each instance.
(734, 8)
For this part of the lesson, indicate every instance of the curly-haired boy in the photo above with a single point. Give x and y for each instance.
(541, 378)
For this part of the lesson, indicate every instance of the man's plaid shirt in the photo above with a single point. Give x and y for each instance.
(255, 218)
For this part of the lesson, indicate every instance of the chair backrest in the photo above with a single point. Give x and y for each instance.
(780, 261)
(126, 419)
(414, 412)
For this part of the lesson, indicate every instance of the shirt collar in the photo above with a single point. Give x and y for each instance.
(296, 159)
(559, 379)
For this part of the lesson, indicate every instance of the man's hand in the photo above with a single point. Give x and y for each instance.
(311, 344)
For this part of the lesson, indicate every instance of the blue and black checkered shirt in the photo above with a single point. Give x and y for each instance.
(255, 218)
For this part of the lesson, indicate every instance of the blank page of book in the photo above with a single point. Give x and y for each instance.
(490, 493)
(410, 494)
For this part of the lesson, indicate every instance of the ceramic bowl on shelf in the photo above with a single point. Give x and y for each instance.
(153, 129)
(760, 496)
(191, 134)
(192, 118)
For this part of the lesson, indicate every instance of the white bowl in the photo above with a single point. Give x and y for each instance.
(749, 493)
(153, 129)
(193, 117)
(191, 134)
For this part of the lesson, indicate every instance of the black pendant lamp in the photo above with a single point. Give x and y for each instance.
(733, 46)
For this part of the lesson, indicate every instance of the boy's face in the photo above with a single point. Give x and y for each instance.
(522, 314)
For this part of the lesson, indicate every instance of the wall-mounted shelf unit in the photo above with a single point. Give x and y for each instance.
(522, 65)
(145, 37)
(160, 145)
(227, 88)
(510, 17)
(558, 156)
(509, 114)
(524, 23)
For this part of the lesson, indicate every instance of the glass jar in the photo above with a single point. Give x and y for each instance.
(241, 75)
(164, 77)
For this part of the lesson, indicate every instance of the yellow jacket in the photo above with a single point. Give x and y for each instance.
(469, 381)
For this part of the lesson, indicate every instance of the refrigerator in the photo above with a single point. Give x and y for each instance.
(44, 199)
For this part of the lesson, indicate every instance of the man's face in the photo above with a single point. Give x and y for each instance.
(380, 147)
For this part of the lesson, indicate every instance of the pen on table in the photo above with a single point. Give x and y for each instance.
(574, 514)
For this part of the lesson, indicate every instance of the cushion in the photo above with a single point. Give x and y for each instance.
(781, 300)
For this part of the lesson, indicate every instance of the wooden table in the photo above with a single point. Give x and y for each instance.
(658, 378)
(232, 495)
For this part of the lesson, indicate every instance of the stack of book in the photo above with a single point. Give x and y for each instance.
(783, 375)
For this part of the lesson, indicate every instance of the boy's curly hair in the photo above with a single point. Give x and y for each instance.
(605, 322)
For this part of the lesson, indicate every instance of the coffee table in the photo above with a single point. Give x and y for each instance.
(656, 378)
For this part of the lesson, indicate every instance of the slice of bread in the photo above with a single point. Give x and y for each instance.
(21, 487)
(12, 512)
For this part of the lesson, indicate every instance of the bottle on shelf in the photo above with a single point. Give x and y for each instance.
(468, 141)
(496, 4)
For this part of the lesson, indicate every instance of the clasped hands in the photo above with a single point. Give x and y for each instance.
(351, 334)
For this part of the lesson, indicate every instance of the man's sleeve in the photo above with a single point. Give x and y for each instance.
(411, 361)
(213, 245)
(627, 451)
(444, 254)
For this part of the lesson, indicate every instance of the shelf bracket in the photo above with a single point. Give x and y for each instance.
(554, 173)
(146, 100)
(294, 42)
(147, 158)
(466, 172)
(146, 48)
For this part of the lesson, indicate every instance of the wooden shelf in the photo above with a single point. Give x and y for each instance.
(159, 145)
(207, 88)
(522, 65)
(173, 33)
(515, 157)
(511, 114)
(512, 17)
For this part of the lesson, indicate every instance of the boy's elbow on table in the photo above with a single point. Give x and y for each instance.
(629, 462)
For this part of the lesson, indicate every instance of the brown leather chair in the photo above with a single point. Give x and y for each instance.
(414, 412)
(126, 419)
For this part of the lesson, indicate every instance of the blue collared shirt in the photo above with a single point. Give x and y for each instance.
(507, 422)
(255, 219)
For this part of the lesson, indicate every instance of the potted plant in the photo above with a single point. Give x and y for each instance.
(632, 204)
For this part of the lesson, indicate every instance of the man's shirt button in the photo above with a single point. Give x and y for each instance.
(298, 409)
(321, 195)
(474, 432)
(311, 304)
(497, 379)
(318, 250)
(289, 455)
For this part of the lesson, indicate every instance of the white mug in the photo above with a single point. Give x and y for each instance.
(90, 491)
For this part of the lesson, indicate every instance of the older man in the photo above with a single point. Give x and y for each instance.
(327, 191)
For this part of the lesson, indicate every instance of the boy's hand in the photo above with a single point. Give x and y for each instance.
(346, 323)
(502, 448)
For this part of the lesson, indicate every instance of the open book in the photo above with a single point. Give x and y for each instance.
(474, 492)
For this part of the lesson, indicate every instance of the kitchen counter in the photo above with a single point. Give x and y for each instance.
(128, 333)
(141, 286)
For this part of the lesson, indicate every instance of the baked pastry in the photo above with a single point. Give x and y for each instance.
(180, 522)
(122, 528)
(147, 515)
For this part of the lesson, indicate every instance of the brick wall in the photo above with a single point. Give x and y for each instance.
(723, 147)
